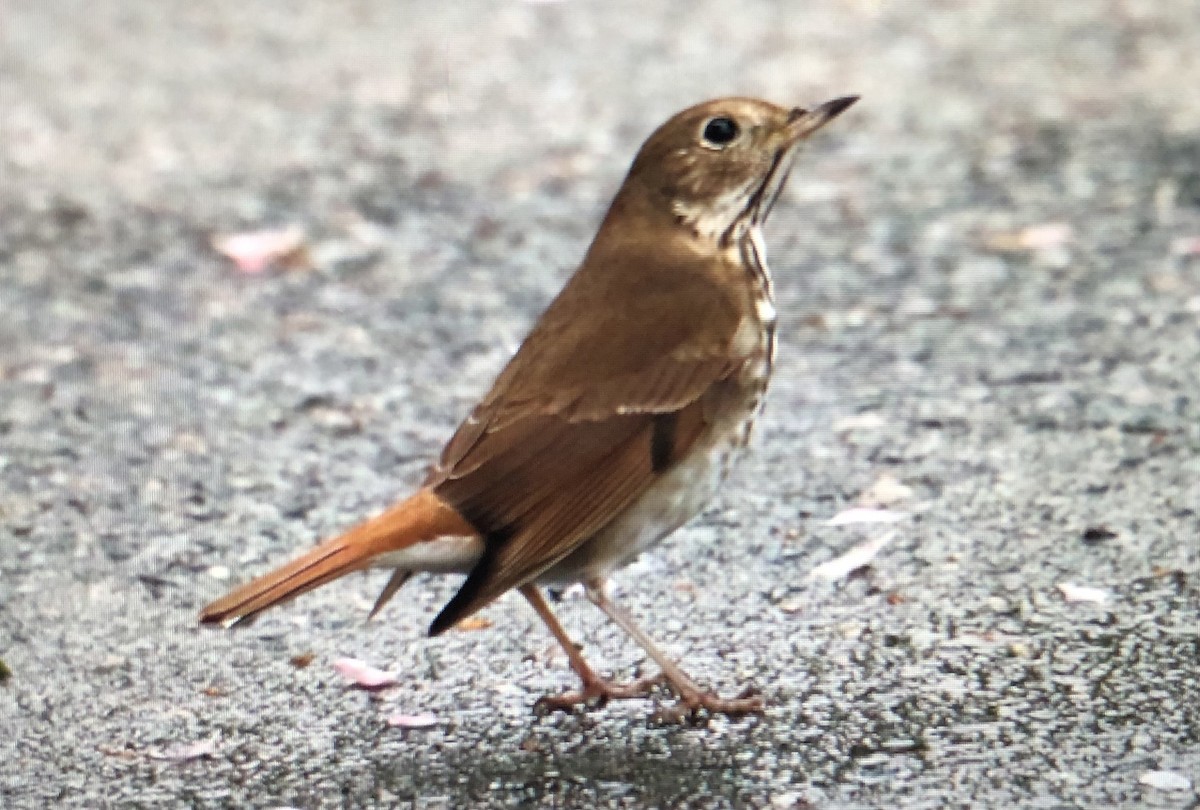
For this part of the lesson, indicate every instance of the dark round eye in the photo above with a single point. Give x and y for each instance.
(720, 131)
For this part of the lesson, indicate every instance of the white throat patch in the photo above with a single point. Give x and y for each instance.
(712, 220)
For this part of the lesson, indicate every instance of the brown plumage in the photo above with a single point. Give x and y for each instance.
(421, 518)
(622, 409)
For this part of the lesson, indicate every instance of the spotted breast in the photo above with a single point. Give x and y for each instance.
(733, 405)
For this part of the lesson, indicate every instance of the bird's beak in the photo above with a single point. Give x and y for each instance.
(801, 122)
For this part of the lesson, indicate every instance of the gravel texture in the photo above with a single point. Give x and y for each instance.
(989, 303)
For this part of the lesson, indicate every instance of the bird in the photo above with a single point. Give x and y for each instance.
(619, 416)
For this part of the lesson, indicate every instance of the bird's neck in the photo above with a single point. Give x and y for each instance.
(712, 228)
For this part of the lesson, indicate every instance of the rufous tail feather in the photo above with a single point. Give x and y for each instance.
(422, 517)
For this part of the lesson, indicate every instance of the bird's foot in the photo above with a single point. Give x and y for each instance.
(696, 707)
(597, 691)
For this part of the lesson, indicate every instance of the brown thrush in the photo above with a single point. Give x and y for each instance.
(621, 412)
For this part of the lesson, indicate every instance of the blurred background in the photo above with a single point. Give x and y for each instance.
(257, 259)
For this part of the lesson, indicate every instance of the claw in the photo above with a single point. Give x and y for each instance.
(595, 694)
(697, 708)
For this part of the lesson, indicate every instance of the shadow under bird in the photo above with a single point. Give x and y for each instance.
(620, 414)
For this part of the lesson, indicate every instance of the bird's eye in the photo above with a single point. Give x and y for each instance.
(720, 131)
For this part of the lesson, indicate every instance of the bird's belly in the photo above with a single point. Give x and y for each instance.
(674, 499)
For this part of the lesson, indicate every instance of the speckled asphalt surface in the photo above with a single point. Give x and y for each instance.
(987, 295)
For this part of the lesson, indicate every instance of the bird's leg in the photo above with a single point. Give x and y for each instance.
(692, 697)
(595, 690)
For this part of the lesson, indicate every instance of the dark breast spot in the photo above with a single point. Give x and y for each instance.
(662, 441)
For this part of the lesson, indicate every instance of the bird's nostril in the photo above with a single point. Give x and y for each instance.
(796, 113)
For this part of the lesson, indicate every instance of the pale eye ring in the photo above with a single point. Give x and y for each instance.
(720, 131)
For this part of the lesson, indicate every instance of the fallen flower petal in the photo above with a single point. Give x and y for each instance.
(1082, 593)
(886, 491)
(1033, 237)
(360, 673)
(791, 605)
(255, 251)
(1051, 234)
(473, 623)
(1165, 780)
(852, 560)
(415, 721)
(865, 515)
(1186, 246)
(869, 420)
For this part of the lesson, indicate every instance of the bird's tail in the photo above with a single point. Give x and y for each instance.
(422, 517)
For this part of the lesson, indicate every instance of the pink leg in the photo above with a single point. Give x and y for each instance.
(692, 698)
(595, 690)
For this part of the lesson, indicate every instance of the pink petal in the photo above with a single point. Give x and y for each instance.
(1049, 235)
(1082, 593)
(414, 721)
(886, 490)
(1046, 236)
(255, 251)
(865, 515)
(869, 420)
(852, 560)
(1186, 246)
(1165, 780)
(360, 673)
